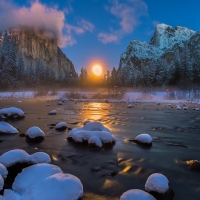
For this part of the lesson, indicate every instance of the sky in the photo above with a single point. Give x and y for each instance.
(98, 31)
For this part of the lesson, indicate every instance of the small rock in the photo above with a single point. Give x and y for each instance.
(194, 165)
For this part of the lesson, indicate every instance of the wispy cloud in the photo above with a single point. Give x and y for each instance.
(128, 12)
(82, 27)
(109, 37)
(42, 17)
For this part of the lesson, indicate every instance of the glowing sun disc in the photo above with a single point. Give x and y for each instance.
(97, 70)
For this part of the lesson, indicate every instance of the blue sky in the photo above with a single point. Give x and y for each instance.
(102, 29)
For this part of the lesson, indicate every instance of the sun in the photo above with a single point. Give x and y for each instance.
(97, 70)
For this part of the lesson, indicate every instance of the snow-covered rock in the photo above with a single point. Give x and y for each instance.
(65, 100)
(58, 186)
(35, 132)
(7, 128)
(14, 156)
(20, 156)
(144, 139)
(60, 103)
(157, 183)
(53, 112)
(185, 107)
(11, 112)
(30, 176)
(136, 194)
(92, 129)
(40, 157)
(3, 171)
(178, 107)
(61, 126)
(129, 105)
(1, 182)
(197, 109)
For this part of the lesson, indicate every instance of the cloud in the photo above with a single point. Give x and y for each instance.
(82, 28)
(128, 12)
(109, 37)
(50, 20)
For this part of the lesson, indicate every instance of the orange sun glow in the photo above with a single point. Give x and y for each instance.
(97, 70)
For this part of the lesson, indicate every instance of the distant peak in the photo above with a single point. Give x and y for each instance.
(163, 26)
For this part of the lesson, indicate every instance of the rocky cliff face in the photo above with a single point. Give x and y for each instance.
(36, 47)
(166, 43)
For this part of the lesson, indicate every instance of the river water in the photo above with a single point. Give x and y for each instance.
(129, 163)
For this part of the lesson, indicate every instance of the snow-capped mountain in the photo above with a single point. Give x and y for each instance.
(165, 36)
(170, 49)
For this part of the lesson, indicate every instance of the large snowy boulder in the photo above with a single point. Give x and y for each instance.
(11, 113)
(144, 139)
(35, 134)
(30, 176)
(136, 194)
(7, 128)
(14, 156)
(61, 126)
(58, 186)
(3, 171)
(158, 185)
(94, 133)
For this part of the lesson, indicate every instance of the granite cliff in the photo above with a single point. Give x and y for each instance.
(37, 47)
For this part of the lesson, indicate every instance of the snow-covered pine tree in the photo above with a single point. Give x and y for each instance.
(8, 61)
